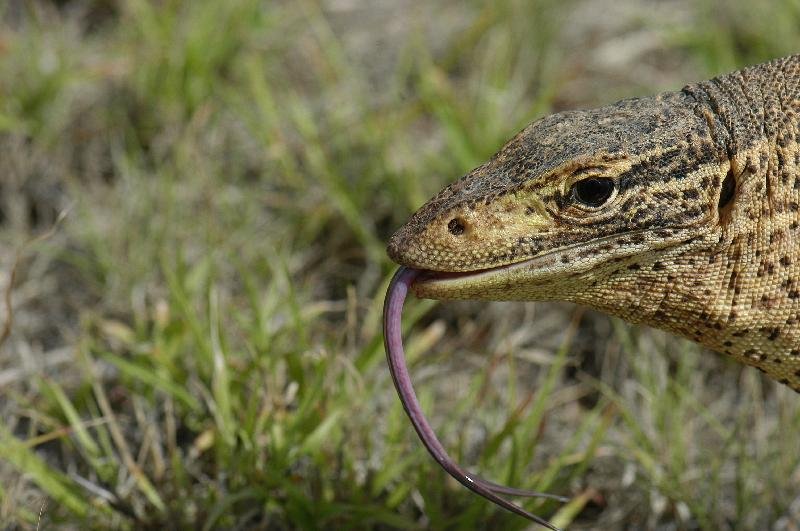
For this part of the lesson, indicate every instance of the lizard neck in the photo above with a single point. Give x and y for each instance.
(717, 297)
(736, 289)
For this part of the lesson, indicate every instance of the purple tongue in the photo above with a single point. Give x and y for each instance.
(393, 340)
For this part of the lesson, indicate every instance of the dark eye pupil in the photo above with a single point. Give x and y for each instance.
(593, 192)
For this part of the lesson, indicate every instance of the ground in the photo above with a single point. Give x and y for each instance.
(194, 203)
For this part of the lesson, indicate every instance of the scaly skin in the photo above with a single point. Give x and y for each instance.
(700, 236)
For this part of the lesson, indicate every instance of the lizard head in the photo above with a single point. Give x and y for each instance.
(569, 196)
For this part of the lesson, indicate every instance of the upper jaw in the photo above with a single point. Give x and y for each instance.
(408, 249)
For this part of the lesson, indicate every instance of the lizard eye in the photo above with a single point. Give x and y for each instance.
(593, 192)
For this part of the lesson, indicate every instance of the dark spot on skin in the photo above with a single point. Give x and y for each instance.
(564, 259)
(628, 204)
(658, 266)
(561, 199)
(785, 261)
(728, 344)
(639, 216)
(691, 194)
(774, 334)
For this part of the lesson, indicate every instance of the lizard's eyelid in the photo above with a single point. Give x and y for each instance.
(589, 171)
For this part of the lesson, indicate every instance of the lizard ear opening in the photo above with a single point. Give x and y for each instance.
(727, 191)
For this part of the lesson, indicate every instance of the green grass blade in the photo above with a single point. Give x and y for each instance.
(54, 483)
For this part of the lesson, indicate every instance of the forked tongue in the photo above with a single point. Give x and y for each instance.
(393, 340)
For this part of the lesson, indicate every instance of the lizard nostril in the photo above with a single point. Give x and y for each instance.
(456, 226)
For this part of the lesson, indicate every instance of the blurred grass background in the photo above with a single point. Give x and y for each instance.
(194, 200)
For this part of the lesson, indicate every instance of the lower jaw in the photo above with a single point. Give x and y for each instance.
(487, 291)
(517, 281)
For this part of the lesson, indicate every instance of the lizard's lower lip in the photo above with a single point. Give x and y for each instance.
(429, 275)
(447, 284)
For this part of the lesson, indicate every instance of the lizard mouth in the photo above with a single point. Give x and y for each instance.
(431, 275)
(460, 284)
(524, 279)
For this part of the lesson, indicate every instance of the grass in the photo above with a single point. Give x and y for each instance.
(197, 343)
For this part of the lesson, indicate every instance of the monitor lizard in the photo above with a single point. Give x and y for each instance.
(679, 211)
